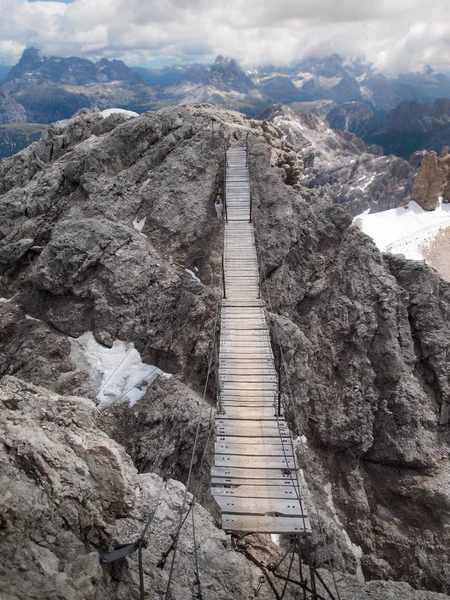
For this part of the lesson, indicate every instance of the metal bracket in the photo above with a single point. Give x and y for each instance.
(122, 552)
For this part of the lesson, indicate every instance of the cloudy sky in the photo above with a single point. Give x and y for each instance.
(395, 36)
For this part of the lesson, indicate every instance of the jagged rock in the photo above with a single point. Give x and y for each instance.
(340, 165)
(429, 181)
(159, 433)
(365, 338)
(365, 343)
(70, 494)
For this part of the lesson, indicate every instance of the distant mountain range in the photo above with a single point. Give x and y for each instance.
(396, 112)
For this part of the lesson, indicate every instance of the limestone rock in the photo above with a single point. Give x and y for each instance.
(365, 337)
(432, 180)
(70, 494)
(365, 340)
(340, 165)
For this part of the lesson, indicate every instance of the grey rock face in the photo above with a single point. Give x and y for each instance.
(62, 481)
(341, 165)
(77, 203)
(159, 433)
(70, 494)
(365, 337)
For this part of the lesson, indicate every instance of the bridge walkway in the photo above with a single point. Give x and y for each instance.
(254, 477)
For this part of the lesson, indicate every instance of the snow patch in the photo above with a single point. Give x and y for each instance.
(301, 439)
(407, 230)
(354, 548)
(192, 274)
(117, 373)
(368, 182)
(275, 537)
(385, 514)
(30, 318)
(120, 111)
(6, 300)
(139, 225)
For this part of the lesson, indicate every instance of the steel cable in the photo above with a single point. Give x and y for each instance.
(197, 433)
(295, 410)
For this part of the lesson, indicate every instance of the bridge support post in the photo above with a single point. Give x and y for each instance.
(223, 278)
(279, 381)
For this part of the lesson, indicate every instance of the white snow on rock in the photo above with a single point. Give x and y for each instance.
(407, 230)
(122, 111)
(139, 225)
(354, 548)
(30, 318)
(275, 537)
(193, 275)
(118, 373)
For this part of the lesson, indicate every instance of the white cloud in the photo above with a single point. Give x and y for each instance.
(394, 36)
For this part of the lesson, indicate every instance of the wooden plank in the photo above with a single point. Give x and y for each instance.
(264, 449)
(234, 482)
(254, 462)
(249, 353)
(258, 524)
(285, 491)
(223, 421)
(269, 434)
(244, 386)
(260, 506)
(242, 303)
(226, 421)
(244, 475)
(249, 414)
(244, 400)
(269, 390)
(249, 395)
(249, 369)
(284, 439)
(248, 361)
(226, 378)
(245, 339)
(243, 346)
(229, 396)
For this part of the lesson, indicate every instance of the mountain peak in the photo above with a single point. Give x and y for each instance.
(33, 68)
(226, 75)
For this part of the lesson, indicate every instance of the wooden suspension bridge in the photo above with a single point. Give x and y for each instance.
(254, 477)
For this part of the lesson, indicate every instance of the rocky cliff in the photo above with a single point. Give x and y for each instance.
(43, 89)
(432, 180)
(101, 219)
(341, 166)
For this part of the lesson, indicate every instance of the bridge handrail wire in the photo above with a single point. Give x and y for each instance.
(316, 508)
(191, 465)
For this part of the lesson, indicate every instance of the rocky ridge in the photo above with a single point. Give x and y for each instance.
(432, 180)
(365, 340)
(391, 111)
(70, 492)
(42, 89)
(340, 165)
